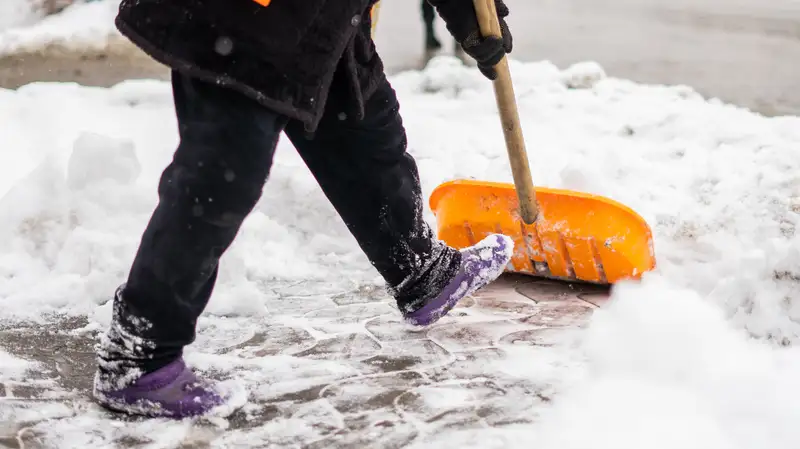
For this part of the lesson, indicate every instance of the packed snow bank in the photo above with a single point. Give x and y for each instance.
(15, 13)
(78, 44)
(665, 369)
(673, 354)
(79, 27)
(80, 168)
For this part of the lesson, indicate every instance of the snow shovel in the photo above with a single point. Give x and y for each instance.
(558, 234)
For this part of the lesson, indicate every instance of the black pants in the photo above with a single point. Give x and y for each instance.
(227, 142)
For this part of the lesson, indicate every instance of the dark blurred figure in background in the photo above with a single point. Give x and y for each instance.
(432, 44)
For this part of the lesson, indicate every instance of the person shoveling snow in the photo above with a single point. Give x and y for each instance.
(242, 73)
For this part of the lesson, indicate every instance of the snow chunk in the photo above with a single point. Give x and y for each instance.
(583, 75)
(97, 158)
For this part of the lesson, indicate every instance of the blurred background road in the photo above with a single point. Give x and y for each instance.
(745, 52)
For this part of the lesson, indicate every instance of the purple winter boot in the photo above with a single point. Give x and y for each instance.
(173, 391)
(480, 265)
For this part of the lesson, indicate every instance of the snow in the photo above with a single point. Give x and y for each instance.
(666, 369)
(15, 13)
(81, 26)
(698, 355)
(13, 368)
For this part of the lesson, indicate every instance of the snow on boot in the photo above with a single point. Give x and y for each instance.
(480, 265)
(173, 391)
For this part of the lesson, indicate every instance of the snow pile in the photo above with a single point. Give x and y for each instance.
(665, 369)
(81, 26)
(97, 158)
(670, 363)
(74, 200)
(15, 13)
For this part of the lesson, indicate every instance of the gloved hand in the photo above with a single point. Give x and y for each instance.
(462, 22)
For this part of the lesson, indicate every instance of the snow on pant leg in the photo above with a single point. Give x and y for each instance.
(227, 142)
(366, 173)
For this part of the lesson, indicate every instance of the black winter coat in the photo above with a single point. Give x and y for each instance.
(283, 55)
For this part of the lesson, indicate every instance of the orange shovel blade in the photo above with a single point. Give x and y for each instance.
(578, 237)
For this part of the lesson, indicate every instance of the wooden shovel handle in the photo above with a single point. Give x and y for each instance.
(509, 117)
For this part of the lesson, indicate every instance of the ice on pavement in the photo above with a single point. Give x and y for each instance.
(13, 368)
(698, 355)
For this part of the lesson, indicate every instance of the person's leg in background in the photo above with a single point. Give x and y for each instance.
(428, 17)
(432, 44)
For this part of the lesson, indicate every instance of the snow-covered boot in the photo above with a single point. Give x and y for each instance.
(173, 391)
(480, 265)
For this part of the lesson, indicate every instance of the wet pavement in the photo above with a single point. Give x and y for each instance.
(382, 399)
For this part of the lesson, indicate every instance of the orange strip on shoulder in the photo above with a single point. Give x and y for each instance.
(263, 2)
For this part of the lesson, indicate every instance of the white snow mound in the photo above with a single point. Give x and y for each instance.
(80, 26)
(672, 362)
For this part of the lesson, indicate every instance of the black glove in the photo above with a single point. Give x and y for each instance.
(462, 22)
